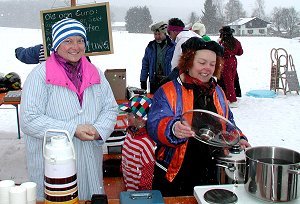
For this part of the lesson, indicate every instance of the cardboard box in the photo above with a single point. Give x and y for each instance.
(117, 81)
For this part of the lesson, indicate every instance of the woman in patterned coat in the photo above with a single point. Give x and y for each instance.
(69, 93)
(182, 162)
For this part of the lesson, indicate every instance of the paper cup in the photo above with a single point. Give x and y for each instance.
(31, 190)
(17, 195)
(5, 186)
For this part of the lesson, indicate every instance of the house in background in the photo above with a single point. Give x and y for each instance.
(250, 27)
(118, 26)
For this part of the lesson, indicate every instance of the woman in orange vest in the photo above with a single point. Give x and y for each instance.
(182, 162)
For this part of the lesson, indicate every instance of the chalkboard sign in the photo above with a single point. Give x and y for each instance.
(95, 18)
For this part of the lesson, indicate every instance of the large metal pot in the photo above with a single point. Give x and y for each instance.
(272, 173)
(231, 167)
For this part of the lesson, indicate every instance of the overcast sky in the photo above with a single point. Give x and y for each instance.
(164, 10)
(198, 4)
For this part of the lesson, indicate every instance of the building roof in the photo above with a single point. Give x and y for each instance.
(118, 24)
(241, 21)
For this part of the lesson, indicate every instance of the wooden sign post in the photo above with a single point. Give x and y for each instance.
(95, 18)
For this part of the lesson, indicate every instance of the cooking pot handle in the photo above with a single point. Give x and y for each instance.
(292, 171)
(232, 168)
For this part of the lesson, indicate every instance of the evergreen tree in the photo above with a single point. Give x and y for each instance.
(193, 18)
(209, 18)
(220, 11)
(138, 19)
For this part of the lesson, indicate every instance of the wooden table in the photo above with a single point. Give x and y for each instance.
(114, 185)
(16, 105)
(168, 200)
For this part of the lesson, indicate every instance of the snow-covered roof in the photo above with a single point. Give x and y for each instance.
(118, 24)
(241, 21)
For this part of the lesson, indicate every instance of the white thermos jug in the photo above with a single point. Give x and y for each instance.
(60, 180)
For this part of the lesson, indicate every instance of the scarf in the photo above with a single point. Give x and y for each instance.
(192, 83)
(74, 73)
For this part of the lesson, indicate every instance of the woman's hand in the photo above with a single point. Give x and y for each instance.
(182, 130)
(244, 144)
(86, 132)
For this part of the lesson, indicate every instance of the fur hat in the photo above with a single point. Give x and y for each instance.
(65, 28)
(139, 105)
(159, 27)
(199, 27)
(196, 43)
(226, 30)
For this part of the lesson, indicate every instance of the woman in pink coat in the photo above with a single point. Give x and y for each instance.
(232, 47)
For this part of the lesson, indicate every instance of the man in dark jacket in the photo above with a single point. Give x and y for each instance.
(156, 63)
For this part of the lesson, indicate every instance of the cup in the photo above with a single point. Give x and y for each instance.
(30, 191)
(17, 195)
(5, 186)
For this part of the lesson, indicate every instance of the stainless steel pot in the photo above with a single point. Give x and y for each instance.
(231, 168)
(272, 173)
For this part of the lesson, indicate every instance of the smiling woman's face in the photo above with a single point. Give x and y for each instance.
(72, 49)
(204, 65)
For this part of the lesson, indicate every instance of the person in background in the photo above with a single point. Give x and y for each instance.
(31, 55)
(232, 48)
(138, 158)
(182, 162)
(178, 33)
(200, 29)
(156, 63)
(69, 93)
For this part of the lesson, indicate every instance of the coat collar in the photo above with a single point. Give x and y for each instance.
(55, 74)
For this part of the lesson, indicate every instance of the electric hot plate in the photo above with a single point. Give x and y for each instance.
(220, 196)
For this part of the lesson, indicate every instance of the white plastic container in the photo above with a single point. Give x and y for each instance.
(60, 169)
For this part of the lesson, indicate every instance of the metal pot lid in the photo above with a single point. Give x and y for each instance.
(211, 128)
(218, 196)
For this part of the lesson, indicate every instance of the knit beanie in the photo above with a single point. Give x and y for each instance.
(199, 27)
(65, 28)
(159, 27)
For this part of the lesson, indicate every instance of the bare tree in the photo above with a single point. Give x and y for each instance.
(285, 21)
(234, 10)
(290, 18)
(276, 19)
(259, 10)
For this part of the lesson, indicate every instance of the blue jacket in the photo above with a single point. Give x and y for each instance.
(149, 60)
(170, 101)
(30, 55)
